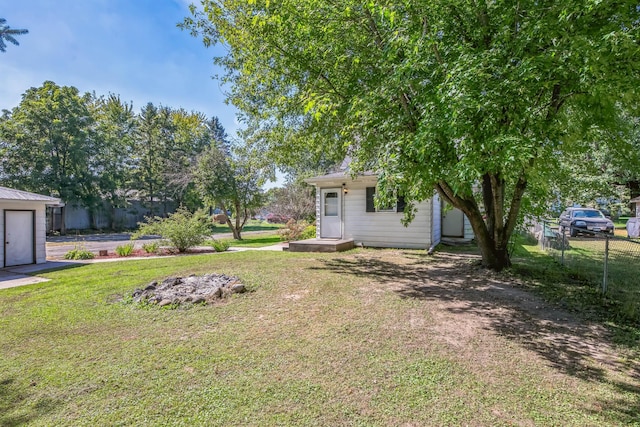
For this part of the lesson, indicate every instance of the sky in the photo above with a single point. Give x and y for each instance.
(127, 47)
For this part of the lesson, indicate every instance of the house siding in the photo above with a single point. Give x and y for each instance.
(468, 230)
(436, 218)
(384, 229)
(40, 229)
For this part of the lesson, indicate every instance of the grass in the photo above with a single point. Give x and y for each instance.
(320, 339)
(256, 240)
(577, 285)
(252, 225)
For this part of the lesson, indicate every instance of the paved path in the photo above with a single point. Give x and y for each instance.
(21, 275)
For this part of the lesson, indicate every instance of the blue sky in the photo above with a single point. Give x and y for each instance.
(127, 47)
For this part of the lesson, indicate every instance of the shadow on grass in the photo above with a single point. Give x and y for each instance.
(564, 340)
(17, 408)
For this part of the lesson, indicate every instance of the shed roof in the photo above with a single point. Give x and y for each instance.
(25, 196)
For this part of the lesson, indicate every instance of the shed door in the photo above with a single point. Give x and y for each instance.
(19, 237)
(330, 213)
(453, 223)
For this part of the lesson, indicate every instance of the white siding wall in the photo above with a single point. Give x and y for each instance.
(384, 229)
(436, 219)
(40, 217)
(468, 230)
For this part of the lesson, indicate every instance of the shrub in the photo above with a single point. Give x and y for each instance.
(308, 233)
(79, 252)
(125, 250)
(182, 229)
(151, 247)
(220, 245)
(295, 230)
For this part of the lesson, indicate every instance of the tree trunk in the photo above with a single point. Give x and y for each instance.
(494, 229)
(494, 256)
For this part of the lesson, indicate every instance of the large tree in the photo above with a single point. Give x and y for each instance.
(112, 161)
(476, 100)
(47, 143)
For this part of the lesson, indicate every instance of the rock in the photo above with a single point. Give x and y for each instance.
(238, 288)
(192, 289)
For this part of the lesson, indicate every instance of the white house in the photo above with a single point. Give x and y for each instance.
(23, 227)
(345, 211)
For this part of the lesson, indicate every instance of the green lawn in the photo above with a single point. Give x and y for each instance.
(252, 225)
(320, 340)
(255, 241)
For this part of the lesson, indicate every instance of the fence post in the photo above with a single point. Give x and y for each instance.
(606, 264)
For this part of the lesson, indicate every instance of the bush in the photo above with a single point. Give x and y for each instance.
(182, 229)
(308, 233)
(125, 250)
(296, 230)
(79, 252)
(220, 245)
(151, 248)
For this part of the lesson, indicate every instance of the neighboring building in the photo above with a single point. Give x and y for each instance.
(23, 227)
(635, 202)
(345, 211)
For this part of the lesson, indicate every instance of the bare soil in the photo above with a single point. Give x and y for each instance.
(473, 310)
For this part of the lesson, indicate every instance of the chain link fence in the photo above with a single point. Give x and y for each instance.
(606, 260)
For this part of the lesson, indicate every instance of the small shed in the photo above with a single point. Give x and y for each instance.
(23, 227)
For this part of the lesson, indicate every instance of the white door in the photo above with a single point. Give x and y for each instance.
(18, 238)
(330, 213)
(453, 223)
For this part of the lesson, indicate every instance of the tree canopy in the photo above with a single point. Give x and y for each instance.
(478, 101)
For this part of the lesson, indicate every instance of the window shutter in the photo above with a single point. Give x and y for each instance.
(371, 191)
(401, 204)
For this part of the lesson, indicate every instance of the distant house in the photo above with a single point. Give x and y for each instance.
(23, 227)
(345, 210)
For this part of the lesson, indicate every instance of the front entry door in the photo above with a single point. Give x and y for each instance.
(19, 243)
(330, 213)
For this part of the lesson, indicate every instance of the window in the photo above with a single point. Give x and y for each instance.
(331, 204)
(371, 192)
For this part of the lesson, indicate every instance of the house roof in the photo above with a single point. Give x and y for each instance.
(635, 200)
(25, 196)
(342, 176)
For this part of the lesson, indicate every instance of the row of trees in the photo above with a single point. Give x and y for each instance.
(96, 151)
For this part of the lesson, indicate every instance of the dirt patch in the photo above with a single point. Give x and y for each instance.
(473, 310)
